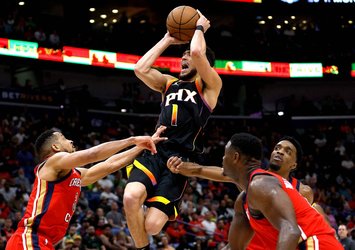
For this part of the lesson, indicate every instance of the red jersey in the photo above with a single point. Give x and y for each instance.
(50, 208)
(314, 229)
(256, 242)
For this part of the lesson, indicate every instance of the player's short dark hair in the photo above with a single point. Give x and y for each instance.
(248, 145)
(42, 140)
(210, 56)
(297, 145)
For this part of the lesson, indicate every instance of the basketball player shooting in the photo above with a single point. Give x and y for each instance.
(187, 103)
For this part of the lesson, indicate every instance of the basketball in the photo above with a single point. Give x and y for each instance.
(181, 22)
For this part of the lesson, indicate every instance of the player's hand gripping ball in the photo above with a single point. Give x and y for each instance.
(181, 22)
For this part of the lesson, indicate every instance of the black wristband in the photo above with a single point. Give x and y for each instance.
(200, 27)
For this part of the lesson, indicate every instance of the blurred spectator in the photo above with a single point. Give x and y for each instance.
(54, 40)
(105, 183)
(164, 243)
(221, 232)
(115, 218)
(195, 226)
(30, 23)
(175, 230)
(26, 160)
(90, 217)
(29, 34)
(100, 215)
(347, 163)
(109, 240)
(208, 224)
(19, 28)
(9, 24)
(331, 217)
(100, 224)
(21, 135)
(20, 200)
(339, 148)
(40, 36)
(83, 202)
(351, 223)
(344, 239)
(352, 233)
(85, 224)
(108, 195)
(77, 244)
(2, 237)
(22, 180)
(7, 230)
(92, 241)
(125, 240)
(71, 232)
(17, 216)
(68, 244)
(8, 192)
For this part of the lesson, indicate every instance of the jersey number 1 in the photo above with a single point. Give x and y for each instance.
(174, 115)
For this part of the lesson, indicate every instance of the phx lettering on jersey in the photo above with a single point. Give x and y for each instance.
(182, 95)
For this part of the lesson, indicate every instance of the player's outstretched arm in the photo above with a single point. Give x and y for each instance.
(153, 78)
(266, 195)
(177, 166)
(65, 160)
(120, 160)
(240, 231)
(111, 165)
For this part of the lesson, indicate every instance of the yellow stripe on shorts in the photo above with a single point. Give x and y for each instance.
(129, 170)
(140, 166)
(161, 199)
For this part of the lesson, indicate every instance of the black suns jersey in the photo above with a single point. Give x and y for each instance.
(185, 113)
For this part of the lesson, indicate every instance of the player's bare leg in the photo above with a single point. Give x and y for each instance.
(155, 221)
(133, 199)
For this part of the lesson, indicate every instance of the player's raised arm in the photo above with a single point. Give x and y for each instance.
(203, 59)
(143, 68)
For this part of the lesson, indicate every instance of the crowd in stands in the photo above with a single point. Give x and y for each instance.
(207, 207)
